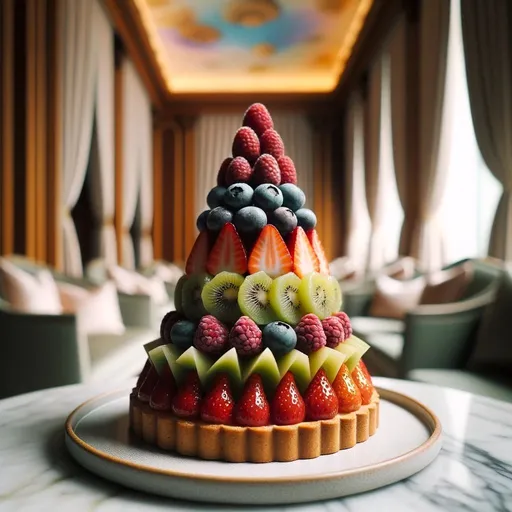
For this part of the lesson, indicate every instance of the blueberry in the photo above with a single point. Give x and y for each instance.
(238, 196)
(283, 219)
(306, 218)
(182, 333)
(268, 197)
(279, 337)
(218, 217)
(201, 220)
(293, 197)
(215, 197)
(250, 219)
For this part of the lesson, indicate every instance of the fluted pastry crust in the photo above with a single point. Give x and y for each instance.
(272, 443)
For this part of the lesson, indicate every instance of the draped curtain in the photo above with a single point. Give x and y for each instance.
(79, 54)
(486, 29)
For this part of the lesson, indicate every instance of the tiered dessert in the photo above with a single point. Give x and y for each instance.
(258, 362)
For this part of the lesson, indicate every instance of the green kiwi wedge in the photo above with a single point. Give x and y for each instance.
(316, 295)
(220, 296)
(284, 298)
(254, 300)
(191, 301)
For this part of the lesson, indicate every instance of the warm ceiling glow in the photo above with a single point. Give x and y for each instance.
(263, 46)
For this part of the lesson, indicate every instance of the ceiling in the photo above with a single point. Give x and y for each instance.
(239, 46)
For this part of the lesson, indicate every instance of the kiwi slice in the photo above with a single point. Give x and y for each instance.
(284, 298)
(178, 294)
(337, 297)
(254, 300)
(316, 295)
(191, 301)
(297, 363)
(193, 359)
(220, 296)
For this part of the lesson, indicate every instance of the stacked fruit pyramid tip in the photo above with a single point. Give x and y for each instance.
(258, 336)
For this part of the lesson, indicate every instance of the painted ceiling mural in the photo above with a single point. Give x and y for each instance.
(252, 45)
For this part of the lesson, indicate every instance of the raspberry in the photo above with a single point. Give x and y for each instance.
(168, 321)
(287, 168)
(258, 118)
(334, 331)
(246, 336)
(246, 144)
(221, 175)
(238, 171)
(266, 170)
(310, 334)
(211, 335)
(272, 143)
(345, 321)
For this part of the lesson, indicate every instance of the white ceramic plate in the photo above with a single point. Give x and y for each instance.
(407, 440)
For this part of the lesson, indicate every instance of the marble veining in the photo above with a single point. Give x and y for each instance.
(472, 473)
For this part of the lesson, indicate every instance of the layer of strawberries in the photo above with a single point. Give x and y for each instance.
(253, 407)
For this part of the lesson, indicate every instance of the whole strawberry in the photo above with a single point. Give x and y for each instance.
(167, 323)
(287, 407)
(320, 399)
(221, 175)
(271, 143)
(334, 332)
(348, 394)
(217, 405)
(287, 168)
(143, 374)
(239, 171)
(345, 320)
(252, 410)
(365, 371)
(211, 336)
(364, 385)
(147, 386)
(246, 337)
(161, 397)
(310, 334)
(187, 400)
(246, 144)
(266, 170)
(258, 118)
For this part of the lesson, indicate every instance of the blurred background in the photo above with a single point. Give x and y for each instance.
(116, 116)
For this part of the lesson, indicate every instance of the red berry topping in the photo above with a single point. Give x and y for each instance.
(288, 407)
(217, 405)
(270, 254)
(196, 262)
(266, 170)
(310, 334)
(161, 397)
(221, 175)
(365, 371)
(246, 144)
(258, 118)
(334, 332)
(318, 248)
(364, 385)
(143, 374)
(348, 394)
(228, 252)
(211, 335)
(253, 410)
(246, 336)
(167, 322)
(287, 168)
(238, 171)
(146, 388)
(272, 143)
(187, 400)
(320, 399)
(345, 320)
(303, 256)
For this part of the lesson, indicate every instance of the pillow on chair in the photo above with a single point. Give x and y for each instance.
(448, 285)
(29, 293)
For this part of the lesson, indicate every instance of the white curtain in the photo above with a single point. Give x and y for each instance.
(102, 178)
(296, 132)
(78, 59)
(486, 28)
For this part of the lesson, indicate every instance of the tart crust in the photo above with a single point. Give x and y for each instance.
(273, 443)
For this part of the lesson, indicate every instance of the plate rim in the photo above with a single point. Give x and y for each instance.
(423, 413)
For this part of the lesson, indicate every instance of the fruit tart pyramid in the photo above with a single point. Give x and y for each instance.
(258, 362)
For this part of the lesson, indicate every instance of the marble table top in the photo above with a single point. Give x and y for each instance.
(472, 473)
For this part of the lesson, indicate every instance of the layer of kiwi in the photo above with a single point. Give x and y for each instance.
(220, 296)
(254, 298)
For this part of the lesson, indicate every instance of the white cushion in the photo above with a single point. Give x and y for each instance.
(29, 293)
(365, 325)
(389, 344)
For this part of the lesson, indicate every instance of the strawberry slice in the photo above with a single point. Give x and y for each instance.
(187, 401)
(304, 258)
(218, 403)
(288, 406)
(318, 248)
(196, 262)
(363, 384)
(348, 394)
(253, 410)
(320, 399)
(270, 254)
(228, 253)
